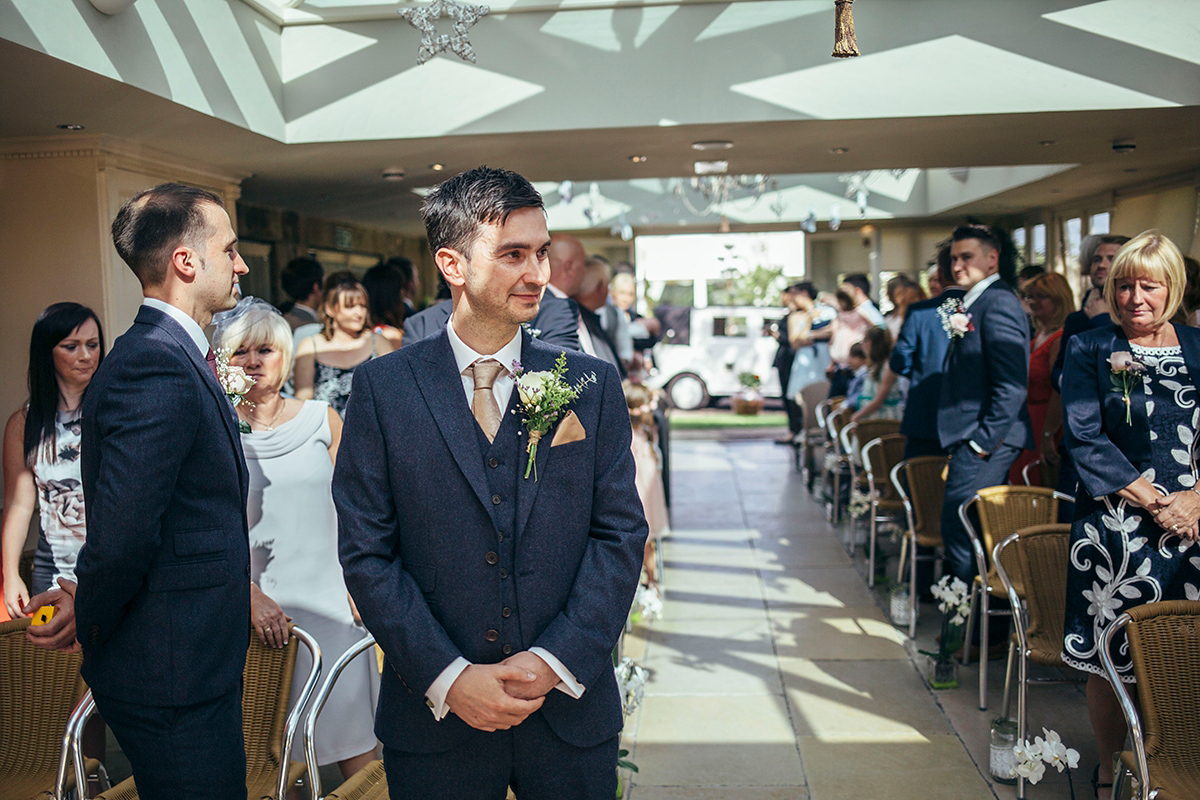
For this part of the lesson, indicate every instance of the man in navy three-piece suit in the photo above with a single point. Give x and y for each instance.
(497, 598)
(983, 421)
(163, 602)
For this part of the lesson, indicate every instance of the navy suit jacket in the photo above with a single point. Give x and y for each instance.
(163, 603)
(557, 322)
(449, 551)
(1109, 453)
(986, 376)
(919, 355)
(1076, 322)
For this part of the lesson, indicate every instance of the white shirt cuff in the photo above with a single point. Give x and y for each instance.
(441, 687)
(979, 451)
(566, 681)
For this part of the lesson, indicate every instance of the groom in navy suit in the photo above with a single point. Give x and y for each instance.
(163, 602)
(496, 592)
(982, 419)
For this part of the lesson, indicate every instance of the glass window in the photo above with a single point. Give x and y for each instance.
(1072, 236)
(730, 326)
(669, 293)
(1019, 240)
(1038, 252)
(1099, 223)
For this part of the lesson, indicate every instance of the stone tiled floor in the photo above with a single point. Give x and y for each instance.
(774, 671)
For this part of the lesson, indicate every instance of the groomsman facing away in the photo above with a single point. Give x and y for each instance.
(163, 603)
(982, 419)
(496, 588)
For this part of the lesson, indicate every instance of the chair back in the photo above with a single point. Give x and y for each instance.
(921, 484)
(266, 723)
(1004, 510)
(810, 397)
(824, 408)
(1037, 559)
(41, 687)
(879, 456)
(1164, 646)
(367, 782)
(835, 422)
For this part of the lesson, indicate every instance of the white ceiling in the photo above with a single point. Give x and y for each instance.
(314, 99)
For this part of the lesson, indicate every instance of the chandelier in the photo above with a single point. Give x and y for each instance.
(713, 192)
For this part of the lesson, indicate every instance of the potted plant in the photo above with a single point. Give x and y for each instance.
(748, 400)
(954, 602)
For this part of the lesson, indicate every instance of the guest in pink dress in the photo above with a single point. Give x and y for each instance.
(649, 473)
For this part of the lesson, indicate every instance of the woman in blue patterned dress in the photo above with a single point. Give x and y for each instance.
(1130, 402)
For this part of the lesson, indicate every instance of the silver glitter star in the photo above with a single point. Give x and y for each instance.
(432, 42)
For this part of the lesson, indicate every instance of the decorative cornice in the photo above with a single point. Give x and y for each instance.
(117, 153)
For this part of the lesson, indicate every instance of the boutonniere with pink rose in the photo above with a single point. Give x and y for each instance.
(544, 396)
(235, 383)
(956, 322)
(1125, 372)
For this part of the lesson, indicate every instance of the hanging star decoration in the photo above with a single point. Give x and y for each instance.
(432, 42)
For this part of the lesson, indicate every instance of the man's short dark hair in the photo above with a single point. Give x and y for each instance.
(456, 210)
(804, 286)
(860, 281)
(300, 276)
(1030, 272)
(997, 240)
(154, 222)
(404, 266)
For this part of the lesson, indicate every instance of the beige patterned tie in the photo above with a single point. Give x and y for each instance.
(483, 405)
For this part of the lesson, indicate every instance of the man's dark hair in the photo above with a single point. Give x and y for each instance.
(154, 222)
(458, 207)
(1030, 272)
(997, 240)
(384, 284)
(404, 266)
(301, 276)
(860, 281)
(804, 286)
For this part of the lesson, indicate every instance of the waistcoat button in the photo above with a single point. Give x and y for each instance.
(491, 635)
(491, 558)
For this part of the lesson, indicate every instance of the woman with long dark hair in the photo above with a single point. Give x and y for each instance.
(41, 451)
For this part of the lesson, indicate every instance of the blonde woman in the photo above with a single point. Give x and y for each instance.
(325, 362)
(290, 451)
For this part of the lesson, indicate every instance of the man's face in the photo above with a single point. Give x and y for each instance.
(1102, 262)
(971, 261)
(624, 293)
(220, 265)
(853, 291)
(508, 268)
(568, 270)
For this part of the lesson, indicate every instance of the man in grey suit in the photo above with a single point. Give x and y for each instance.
(982, 419)
(496, 588)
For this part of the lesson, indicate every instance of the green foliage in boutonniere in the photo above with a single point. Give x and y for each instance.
(544, 397)
(1125, 372)
(235, 383)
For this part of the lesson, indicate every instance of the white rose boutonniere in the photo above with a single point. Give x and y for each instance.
(544, 396)
(235, 383)
(955, 319)
(1125, 372)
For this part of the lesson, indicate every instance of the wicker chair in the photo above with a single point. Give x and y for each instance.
(269, 728)
(1003, 510)
(832, 418)
(370, 782)
(1164, 645)
(921, 484)
(879, 456)
(41, 687)
(1036, 558)
(813, 434)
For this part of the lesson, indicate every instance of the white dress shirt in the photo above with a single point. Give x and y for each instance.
(464, 357)
(190, 326)
(973, 293)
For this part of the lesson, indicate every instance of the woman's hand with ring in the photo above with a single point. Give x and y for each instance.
(1178, 512)
(268, 619)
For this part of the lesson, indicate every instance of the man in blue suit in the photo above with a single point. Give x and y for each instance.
(556, 322)
(163, 602)
(982, 419)
(496, 592)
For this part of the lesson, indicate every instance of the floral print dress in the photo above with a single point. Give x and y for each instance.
(60, 499)
(1119, 557)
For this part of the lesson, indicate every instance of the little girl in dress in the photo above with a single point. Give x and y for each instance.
(649, 476)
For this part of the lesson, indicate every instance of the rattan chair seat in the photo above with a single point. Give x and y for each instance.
(369, 783)
(1170, 782)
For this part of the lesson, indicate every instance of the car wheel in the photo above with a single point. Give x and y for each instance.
(687, 392)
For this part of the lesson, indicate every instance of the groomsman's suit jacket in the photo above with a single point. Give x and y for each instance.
(986, 376)
(920, 355)
(163, 602)
(557, 322)
(449, 551)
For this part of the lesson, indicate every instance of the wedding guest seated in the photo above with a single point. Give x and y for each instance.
(1050, 300)
(877, 347)
(641, 401)
(325, 362)
(290, 450)
(1129, 397)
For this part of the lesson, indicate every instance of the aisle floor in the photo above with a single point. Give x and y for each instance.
(774, 671)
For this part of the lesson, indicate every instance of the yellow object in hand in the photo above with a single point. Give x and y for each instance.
(43, 615)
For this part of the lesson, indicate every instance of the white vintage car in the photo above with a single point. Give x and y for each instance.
(704, 350)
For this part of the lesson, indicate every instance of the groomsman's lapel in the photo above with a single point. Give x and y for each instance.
(437, 376)
(534, 357)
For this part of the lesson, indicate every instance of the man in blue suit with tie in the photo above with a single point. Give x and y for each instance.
(982, 419)
(163, 602)
(497, 592)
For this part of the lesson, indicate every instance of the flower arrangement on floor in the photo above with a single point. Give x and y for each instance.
(647, 604)
(748, 400)
(860, 504)
(954, 601)
(1033, 758)
(631, 682)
